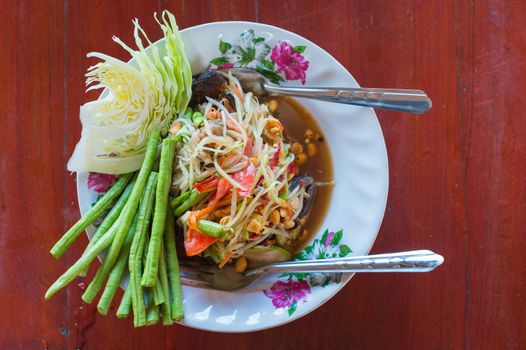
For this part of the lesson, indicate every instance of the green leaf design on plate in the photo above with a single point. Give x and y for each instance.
(247, 56)
(344, 250)
(337, 238)
(292, 308)
(219, 60)
(299, 48)
(270, 75)
(297, 275)
(324, 236)
(224, 46)
(268, 64)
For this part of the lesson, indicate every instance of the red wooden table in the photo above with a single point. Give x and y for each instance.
(456, 174)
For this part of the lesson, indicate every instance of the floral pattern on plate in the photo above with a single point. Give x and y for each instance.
(297, 287)
(278, 63)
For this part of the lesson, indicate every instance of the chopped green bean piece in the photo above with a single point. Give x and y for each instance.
(188, 113)
(198, 118)
(192, 200)
(213, 229)
(174, 203)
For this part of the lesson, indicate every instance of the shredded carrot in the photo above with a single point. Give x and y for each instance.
(192, 221)
(230, 124)
(174, 128)
(212, 113)
(222, 160)
(273, 122)
(238, 93)
(224, 202)
(226, 259)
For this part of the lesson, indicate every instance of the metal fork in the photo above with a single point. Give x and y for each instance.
(227, 279)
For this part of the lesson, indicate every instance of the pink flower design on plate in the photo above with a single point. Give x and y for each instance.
(285, 294)
(289, 62)
(100, 183)
(225, 66)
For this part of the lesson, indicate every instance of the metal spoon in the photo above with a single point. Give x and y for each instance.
(207, 276)
(402, 100)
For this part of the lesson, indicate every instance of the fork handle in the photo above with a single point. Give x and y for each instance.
(402, 100)
(411, 261)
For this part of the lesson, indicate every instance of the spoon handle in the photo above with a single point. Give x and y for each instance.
(402, 100)
(412, 261)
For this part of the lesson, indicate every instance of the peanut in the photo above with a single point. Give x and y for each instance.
(254, 226)
(272, 105)
(301, 159)
(241, 264)
(288, 224)
(274, 217)
(312, 149)
(222, 212)
(296, 148)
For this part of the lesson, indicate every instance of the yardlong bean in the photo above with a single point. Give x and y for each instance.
(173, 268)
(137, 249)
(109, 219)
(69, 237)
(127, 216)
(83, 262)
(124, 307)
(163, 279)
(117, 272)
(152, 316)
(149, 277)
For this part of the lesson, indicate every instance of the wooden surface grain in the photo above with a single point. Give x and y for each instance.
(456, 174)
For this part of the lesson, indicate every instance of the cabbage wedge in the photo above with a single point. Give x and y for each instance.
(142, 95)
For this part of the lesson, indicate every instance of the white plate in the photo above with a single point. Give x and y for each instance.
(358, 201)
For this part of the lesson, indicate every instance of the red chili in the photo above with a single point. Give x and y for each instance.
(275, 157)
(292, 168)
(206, 185)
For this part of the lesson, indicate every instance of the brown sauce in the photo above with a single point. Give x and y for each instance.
(297, 119)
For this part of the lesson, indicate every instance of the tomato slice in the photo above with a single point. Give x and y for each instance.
(206, 185)
(247, 151)
(245, 177)
(223, 187)
(196, 242)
